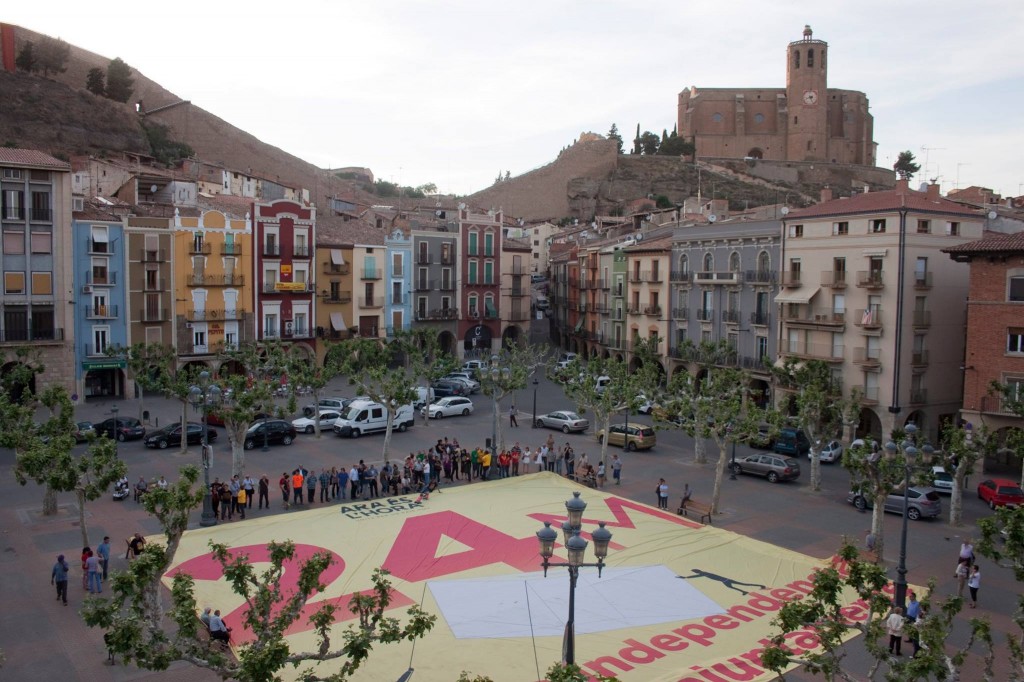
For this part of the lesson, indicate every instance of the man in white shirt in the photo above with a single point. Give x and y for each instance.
(218, 630)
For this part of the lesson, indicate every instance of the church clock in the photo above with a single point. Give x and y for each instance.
(810, 97)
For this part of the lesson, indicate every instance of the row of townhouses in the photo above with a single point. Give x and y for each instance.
(204, 266)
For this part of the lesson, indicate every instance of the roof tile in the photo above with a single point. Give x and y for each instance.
(31, 157)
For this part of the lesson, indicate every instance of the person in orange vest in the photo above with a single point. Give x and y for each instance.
(297, 480)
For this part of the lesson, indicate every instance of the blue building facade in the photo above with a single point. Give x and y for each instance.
(398, 300)
(101, 316)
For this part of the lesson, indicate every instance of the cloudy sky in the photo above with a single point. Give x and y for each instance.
(454, 92)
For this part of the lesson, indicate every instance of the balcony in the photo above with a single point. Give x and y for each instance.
(150, 315)
(371, 302)
(294, 331)
(869, 357)
(447, 259)
(870, 318)
(231, 249)
(707, 277)
(337, 297)
(760, 319)
(604, 285)
(491, 314)
(633, 309)
(919, 358)
(994, 404)
(595, 336)
(98, 248)
(447, 285)
(371, 274)
(804, 314)
(833, 279)
(791, 279)
(922, 319)
(90, 350)
(922, 281)
(398, 299)
(816, 351)
(602, 308)
(919, 396)
(425, 284)
(154, 285)
(34, 334)
(636, 277)
(200, 248)
(424, 259)
(870, 279)
(680, 313)
(759, 277)
(731, 316)
(617, 344)
(654, 310)
(517, 270)
(301, 251)
(652, 277)
(204, 280)
(868, 394)
(705, 314)
(679, 276)
(157, 256)
(618, 314)
(105, 279)
(335, 269)
(101, 312)
(212, 314)
(437, 314)
(518, 292)
(271, 250)
(288, 287)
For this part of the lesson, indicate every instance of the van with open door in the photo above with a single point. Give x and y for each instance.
(366, 416)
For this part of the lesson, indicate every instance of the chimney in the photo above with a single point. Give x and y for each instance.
(826, 194)
(933, 191)
(902, 185)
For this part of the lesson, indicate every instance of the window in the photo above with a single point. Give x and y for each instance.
(709, 262)
(199, 339)
(764, 262)
(489, 244)
(396, 293)
(489, 272)
(397, 262)
(41, 206)
(14, 208)
(41, 242)
(472, 243)
(762, 347)
(878, 226)
(489, 306)
(921, 270)
(12, 174)
(841, 228)
(14, 282)
(1016, 292)
(1015, 340)
(14, 242)
(734, 262)
(684, 266)
(424, 254)
(810, 58)
(796, 231)
(42, 283)
(924, 227)
(472, 272)
(473, 307)
(796, 59)
(953, 229)
(100, 338)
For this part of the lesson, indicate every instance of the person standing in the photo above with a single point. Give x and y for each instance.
(243, 498)
(104, 554)
(250, 489)
(662, 494)
(512, 414)
(264, 491)
(961, 577)
(343, 483)
(894, 626)
(353, 479)
(236, 485)
(86, 553)
(973, 583)
(372, 480)
(284, 485)
(967, 552)
(297, 487)
(334, 483)
(326, 483)
(215, 496)
(869, 544)
(92, 567)
(59, 577)
(600, 474)
(616, 469)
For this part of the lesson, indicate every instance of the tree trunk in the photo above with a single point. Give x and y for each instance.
(815, 469)
(878, 526)
(956, 501)
(723, 459)
(499, 436)
(184, 427)
(50, 502)
(387, 434)
(607, 426)
(699, 450)
(81, 517)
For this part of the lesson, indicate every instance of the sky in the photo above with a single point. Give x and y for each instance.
(455, 92)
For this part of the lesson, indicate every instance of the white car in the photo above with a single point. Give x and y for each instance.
(474, 366)
(942, 480)
(831, 452)
(449, 407)
(466, 379)
(645, 405)
(327, 419)
(565, 420)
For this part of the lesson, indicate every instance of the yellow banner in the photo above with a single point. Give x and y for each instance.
(290, 286)
(677, 601)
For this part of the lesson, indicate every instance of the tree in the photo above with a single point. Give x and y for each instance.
(1012, 397)
(613, 134)
(147, 365)
(905, 166)
(428, 362)
(649, 143)
(824, 615)
(961, 449)
(1002, 541)
(52, 55)
(427, 188)
(26, 59)
(820, 409)
(303, 373)
(511, 369)
(120, 83)
(676, 146)
(96, 82)
(637, 149)
(139, 627)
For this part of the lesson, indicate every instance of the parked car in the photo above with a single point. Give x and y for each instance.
(128, 428)
(474, 366)
(832, 451)
(942, 480)
(424, 396)
(273, 430)
(449, 407)
(645, 405)
(84, 431)
(308, 424)
(763, 439)
(640, 437)
(536, 278)
(542, 303)
(366, 416)
(332, 403)
(466, 379)
(923, 502)
(1000, 492)
(773, 467)
(171, 435)
(443, 388)
(217, 419)
(565, 420)
(791, 441)
(861, 443)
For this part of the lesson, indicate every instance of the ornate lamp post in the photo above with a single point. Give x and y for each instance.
(576, 548)
(534, 420)
(910, 455)
(203, 397)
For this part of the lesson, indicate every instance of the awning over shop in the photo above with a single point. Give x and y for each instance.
(799, 296)
(337, 257)
(338, 322)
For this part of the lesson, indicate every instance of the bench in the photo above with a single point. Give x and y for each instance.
(589, 480)
(703, 511)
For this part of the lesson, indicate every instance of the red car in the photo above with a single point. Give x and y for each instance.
(1001, 492)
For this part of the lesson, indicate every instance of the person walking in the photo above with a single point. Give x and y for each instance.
(103, 551)
(616, 469)
(264, 491)
(512, 414)
(961, 577)
(894, 626)
(59, 577)
(869, 544)
(285, 485)
(92, 567)
(973, 583)
(662, 494)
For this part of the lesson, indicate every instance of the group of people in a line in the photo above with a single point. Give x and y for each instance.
(95, 566)
(235, 495)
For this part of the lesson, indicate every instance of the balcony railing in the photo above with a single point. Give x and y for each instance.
(371, 302)
(301, 251)
(231, 249)
(208, 314)
(633, 309)
(371, 273)
(338, 297)
(271, 250)
(107, 279)
(151, 315)
(448, 259)
(93, 351)
(681, 313)
(636, 276)
(919, 396)
(922, 280)
(618, 314)
(99, 248)
(731, 316)
(155, 256)
(652, 310)
(919, 358)
(870, 318)
(995, 404)
(101, 312)
(602, 308)
(869, 394)
(425, 284)
(870, 279)
(867, 356)
(707, 277)
(424, 259)
(204, 280)
(491, 314)
(922, 318)
(438, 314)
(33, 334)
(820, 351)
(760, 319)
(200, 248)
(447, 285)
(398, 299)
(335, 269)
(294, 331)
(791, 279)
(759, 276)
(804, 314)
(679, 276)
(705, 314)
(41, 215)
(517, 292)
(833, 279)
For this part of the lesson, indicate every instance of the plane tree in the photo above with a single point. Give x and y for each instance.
(510, 370)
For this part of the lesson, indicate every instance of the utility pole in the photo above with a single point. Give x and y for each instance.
(927, 153)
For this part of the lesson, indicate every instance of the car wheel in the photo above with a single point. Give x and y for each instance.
(736, 469)
(539, 424)
(309, 429)
(249, 445)
(992, 504)
(355, 433)
(600, 439)
(402, 427)
(773, 477)
(913, 513)
(565, 428)
(438, 414)
(287, 440)
(121, 437)
(631, 446)
(465, 411)
(162, 445)
(860, 503)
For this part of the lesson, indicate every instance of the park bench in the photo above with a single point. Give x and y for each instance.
(701, 510)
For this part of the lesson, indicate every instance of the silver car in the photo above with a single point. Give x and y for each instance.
(464, 378)
(564, 420)
(922, 502)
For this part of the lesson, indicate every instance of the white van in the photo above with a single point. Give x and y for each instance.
(424, 396)
(542, 303)
(364, 416)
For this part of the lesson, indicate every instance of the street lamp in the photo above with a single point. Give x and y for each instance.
(534, 420)
(203, 397)
(910, 454)
(576, 548)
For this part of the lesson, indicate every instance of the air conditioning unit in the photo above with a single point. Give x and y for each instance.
(87, 289)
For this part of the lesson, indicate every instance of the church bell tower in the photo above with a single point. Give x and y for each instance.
(806, 94)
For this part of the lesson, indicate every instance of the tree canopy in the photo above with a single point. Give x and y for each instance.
(120, 84)
(905, 165)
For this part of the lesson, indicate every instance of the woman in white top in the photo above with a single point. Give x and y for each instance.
(541, 456)
(894, 626)
(973, 583)
(525, 459)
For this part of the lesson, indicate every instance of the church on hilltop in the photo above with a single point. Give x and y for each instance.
(805, 121)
